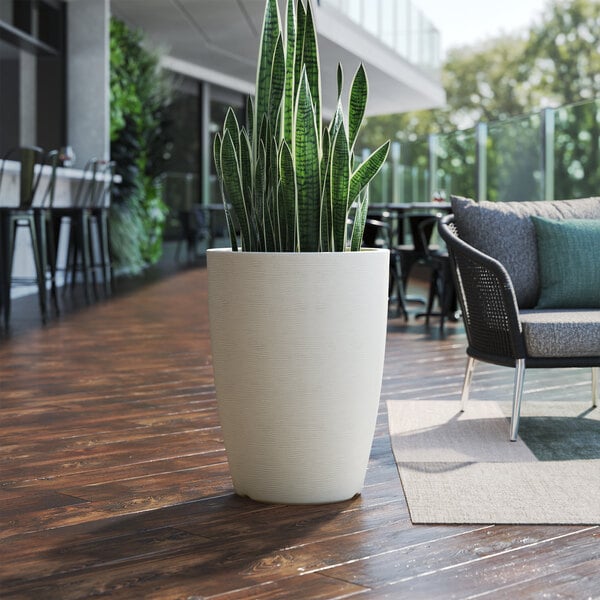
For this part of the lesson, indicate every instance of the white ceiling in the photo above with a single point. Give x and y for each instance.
(217, 40)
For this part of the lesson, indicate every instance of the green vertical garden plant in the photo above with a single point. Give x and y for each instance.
(140, 98)
(289, 183)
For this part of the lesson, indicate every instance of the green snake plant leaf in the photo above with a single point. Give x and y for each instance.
(299, 45)
(250, 116)
(245, 158)
(217, 158)
(290, 58)
(340, 81)
(326, 210)
(232, 182)
(265, 200)
(340, 185)
(360, 218)
(357, 104)
(273, 181)
(288, 197)
(306, 160)
(311, 63)
(231, 124)
(338, 118)
(271, 244)
(325, 149)
(367, 170)
(271, 32)
(231, 230)
(260, 178)
(277, 84)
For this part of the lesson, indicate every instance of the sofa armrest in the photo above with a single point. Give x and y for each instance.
(487, 299)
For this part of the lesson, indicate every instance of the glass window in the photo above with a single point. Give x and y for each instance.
(9, 97)
(32, 74)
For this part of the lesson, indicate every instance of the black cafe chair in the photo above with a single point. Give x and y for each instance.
(441, 283)
(421, 228)
(377, 234)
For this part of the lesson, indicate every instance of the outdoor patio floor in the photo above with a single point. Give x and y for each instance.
(114, 481)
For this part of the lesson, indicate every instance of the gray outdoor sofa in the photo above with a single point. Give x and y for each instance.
(528, 281)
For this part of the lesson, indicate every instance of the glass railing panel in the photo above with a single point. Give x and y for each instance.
(577, 150)
(414, 173)
(553, 154)
(456, 164)
(514, 159)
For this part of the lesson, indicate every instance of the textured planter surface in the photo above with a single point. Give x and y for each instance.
(298, 344)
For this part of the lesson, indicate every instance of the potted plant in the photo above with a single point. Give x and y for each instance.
(297, 312)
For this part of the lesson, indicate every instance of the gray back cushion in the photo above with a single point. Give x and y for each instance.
(504, 231)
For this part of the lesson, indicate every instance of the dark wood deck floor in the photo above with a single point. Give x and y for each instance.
(114, 481)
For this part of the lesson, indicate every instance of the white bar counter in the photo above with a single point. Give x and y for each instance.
(67, 183)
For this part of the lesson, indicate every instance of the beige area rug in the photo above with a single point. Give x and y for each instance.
(461, 467)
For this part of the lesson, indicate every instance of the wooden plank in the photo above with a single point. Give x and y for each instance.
(537, 565)
(425, 560)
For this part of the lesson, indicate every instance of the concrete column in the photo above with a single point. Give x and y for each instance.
(27, 97)
(88, 79)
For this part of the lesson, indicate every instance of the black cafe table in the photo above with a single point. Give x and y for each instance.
(399, 210)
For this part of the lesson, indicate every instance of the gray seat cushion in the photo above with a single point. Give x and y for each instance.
(504, 231)
(561, 333)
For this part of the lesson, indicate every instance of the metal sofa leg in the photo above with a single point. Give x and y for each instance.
(517, 396)
(595, 372)
(467, 383)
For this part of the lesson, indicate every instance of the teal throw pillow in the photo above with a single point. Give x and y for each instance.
(569, 262)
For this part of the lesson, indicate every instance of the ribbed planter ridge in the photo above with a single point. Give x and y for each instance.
(298, 344)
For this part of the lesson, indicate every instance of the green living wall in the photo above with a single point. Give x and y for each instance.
(139, 99)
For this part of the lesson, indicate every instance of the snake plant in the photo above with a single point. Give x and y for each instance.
(289, 183)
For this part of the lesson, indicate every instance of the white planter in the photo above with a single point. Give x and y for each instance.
(298, 343)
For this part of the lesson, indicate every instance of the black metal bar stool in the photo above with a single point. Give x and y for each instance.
(45, 228)
(74, 219)
(98, 220)
(21, 216)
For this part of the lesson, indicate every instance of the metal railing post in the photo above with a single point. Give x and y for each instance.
(481, 160)
(205, 149)
(395, 156)
(548, 153)
(433, 165)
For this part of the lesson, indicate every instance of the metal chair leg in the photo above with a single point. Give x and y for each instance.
(105, 253)
(6, 267)
(467, 383)
(41, 275)
(595, 372)
(10, 234)
(517, 397)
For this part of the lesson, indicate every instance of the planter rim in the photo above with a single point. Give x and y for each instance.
(328, 253)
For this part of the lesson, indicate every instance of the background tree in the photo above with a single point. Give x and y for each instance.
(563, 57)
(501, 82)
